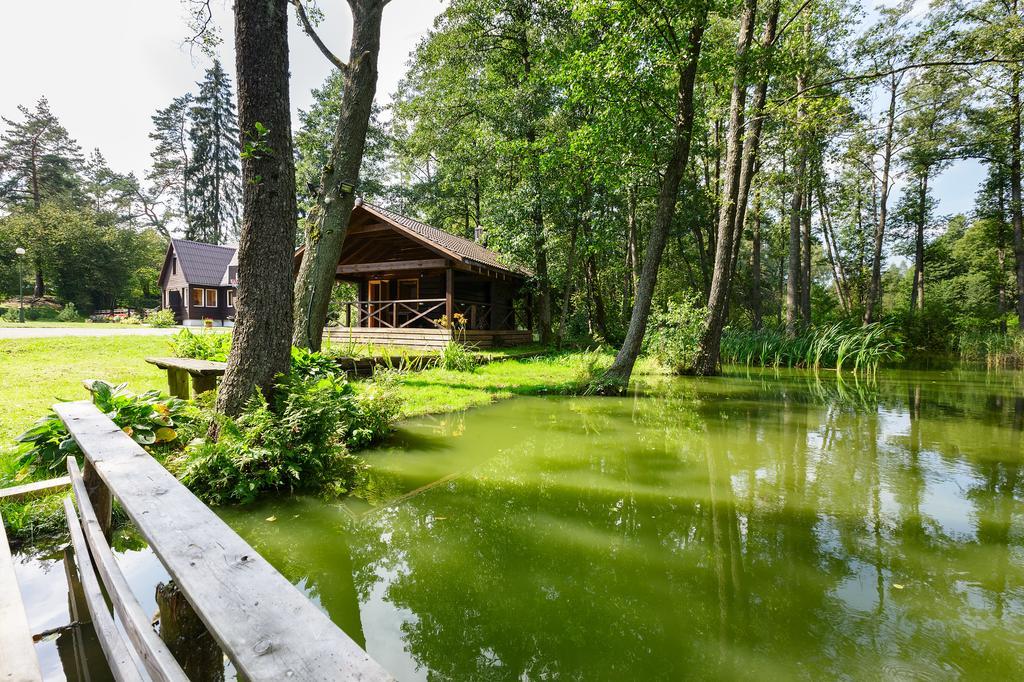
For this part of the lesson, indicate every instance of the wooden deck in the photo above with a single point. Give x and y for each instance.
(425, 339)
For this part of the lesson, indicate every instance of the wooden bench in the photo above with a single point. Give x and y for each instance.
(204, 374)
(263, 623)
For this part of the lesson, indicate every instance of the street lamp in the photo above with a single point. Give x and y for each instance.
(21, 285)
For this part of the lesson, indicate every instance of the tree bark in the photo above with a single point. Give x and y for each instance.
(261, 347)
(917, 293)
(806, 265)
(875, 283)
(755, 266)
(328, 224)
(706, 362)
(793, 274)
(617, 376)
(632, 265)
(1016, 205)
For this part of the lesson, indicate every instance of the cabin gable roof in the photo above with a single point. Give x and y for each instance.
(201, 264)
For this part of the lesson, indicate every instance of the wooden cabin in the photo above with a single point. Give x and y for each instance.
(412, 280)
(197, 282)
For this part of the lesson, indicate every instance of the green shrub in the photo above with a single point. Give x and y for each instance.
(297, 444)
(161, 318)
(995, 349)
(69, 314)
(131, 320)
(11, 315)
(149, 418)
(454, 357)
(308, 364)
(377, 408)
(41, 313)
(202, 346)
(674, 333)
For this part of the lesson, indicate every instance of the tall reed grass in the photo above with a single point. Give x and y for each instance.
(995, 349)
(837, 346)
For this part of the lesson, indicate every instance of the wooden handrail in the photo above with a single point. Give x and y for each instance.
(119, 656)
(264, 624)
(152, 651)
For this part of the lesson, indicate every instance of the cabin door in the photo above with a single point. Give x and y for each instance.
(378, 291)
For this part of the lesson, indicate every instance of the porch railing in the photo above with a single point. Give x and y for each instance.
(426, 312)
(394, 314)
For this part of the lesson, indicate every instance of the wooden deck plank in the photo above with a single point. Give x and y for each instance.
(152, 651)
(18, 662)
(268, 628)
(119, 657)
(36, 489)
(206, 368)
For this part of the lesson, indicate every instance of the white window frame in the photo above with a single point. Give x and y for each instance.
(231, 298)
(206, 298)
(202, 297)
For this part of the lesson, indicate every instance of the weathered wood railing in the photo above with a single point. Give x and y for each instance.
(18, 662)
(266, 626)
(395, 314)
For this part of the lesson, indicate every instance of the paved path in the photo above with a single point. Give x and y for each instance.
(98, 330)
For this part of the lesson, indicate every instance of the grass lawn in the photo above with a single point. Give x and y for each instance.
(34, 373)
(43, 323)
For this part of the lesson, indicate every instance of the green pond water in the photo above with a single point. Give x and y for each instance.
(754, 526)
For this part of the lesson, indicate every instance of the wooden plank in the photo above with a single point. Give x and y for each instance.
(119, 658)
(152, 651)
(193, 367)
(264, 624)
(391, 266)
(36, 489)
(202, 384)
(18, 662)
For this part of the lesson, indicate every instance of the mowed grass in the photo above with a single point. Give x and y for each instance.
(35, 373)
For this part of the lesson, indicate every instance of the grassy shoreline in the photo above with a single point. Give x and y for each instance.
(35, 373)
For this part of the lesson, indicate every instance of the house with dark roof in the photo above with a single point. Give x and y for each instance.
(412, 280)
(198, 282)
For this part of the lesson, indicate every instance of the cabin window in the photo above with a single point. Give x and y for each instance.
(174, 265)
(231, 298)
(211, 298)
(408, 289)
(197, 298)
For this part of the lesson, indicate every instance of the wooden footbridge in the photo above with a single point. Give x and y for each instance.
(262, 623)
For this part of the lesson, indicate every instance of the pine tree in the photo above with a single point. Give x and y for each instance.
(172, 159)
(39, 163)
(214, 177)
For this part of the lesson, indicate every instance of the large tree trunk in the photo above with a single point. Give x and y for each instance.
(755, 266)
(917, 293)
(806, 265)
(832, 251)
(793, 271)
(261, 347)
(1016, 207)
(875, 283)
(706, 361)
(632, 266)
(617, 376)
(328, 224)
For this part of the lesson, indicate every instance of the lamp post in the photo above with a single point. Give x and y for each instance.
(21, 284)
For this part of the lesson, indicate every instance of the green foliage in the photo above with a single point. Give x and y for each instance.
(131, 321)
(206, 345)
(455, 357)
(300, 443)
(833, 346)
(674, 333)
(11, 315)
(161, 318)
(995, 349)
(307, 364)
(69, 314)
(149, 418)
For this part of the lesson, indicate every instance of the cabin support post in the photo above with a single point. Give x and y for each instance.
(449, 294)
(529, 312)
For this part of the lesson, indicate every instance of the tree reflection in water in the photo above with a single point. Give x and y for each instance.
(755, 526)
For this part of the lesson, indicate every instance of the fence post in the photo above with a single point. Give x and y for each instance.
(99, 494)
(187, 638)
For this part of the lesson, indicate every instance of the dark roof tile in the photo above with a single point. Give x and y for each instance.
(203, 264)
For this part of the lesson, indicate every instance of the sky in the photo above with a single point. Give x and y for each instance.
(107, 65)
